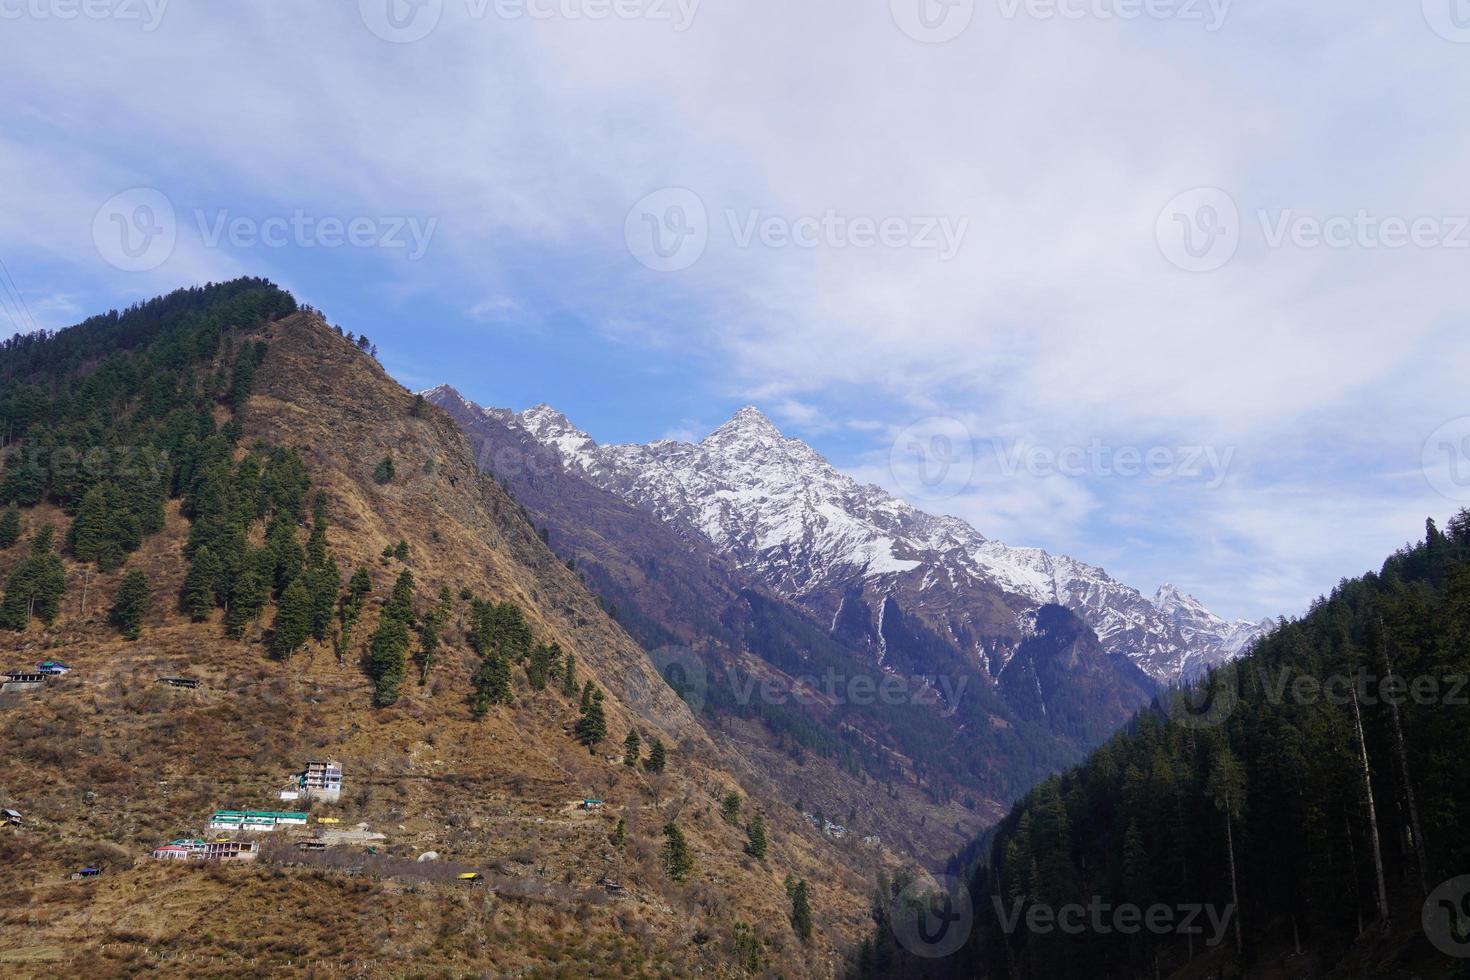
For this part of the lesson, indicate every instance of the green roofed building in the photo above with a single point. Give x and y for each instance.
(252, 820)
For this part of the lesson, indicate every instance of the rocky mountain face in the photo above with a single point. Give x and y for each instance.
(778, 511)
(784, 560)
(918, 779)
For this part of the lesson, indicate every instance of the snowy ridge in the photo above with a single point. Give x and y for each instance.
(778, 509)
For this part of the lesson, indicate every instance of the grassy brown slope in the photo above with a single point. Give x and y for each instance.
(107, 763)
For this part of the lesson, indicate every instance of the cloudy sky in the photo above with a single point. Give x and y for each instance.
(1177, 286)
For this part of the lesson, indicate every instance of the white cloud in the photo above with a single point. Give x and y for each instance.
(1059, 320)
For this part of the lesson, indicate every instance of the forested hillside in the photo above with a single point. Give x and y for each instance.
(1304, 802)
(248, 548)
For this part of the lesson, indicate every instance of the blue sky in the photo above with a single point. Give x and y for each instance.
(1054, 235)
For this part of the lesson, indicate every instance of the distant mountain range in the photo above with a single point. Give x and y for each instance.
(849, 553)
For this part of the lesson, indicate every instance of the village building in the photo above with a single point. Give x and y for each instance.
(251, 821)
(322, 781)
(186, 849)
(11, 818)
(53, 668)
(231, 850)
(21, 680)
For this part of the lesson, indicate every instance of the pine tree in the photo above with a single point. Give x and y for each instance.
(678, 862)
(9, 527)
(293, 620)
(386, 659)
(88, 535)
(569, 676)
(492, 684)
(401, 551)
(592, 727)
(36, 585)
(632, 746)
(400, 603)
(199, 597)
(250, 593)
(543, 657)
(730, 807)
(656, 757)
(1226, 788)
(349, 609)
(285, 551)
(384, 471)
(620, 833)
(801, 912)
(131, 604)
(316, 544)
(756, 837)
(323, 582)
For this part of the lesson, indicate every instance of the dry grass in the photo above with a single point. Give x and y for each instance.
(107, 763)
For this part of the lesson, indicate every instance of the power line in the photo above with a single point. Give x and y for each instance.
(20, 303)
(24, 305)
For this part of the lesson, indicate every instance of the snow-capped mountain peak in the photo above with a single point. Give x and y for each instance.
(781, 512)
